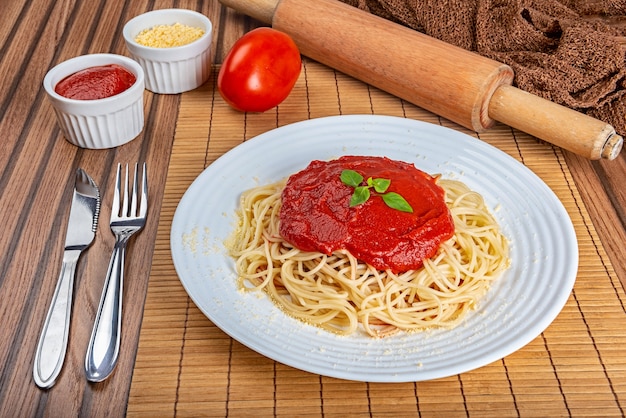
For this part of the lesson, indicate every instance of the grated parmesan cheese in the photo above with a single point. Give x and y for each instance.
(168, 36)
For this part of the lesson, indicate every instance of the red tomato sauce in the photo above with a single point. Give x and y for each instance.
(96, 82)
(316, 214)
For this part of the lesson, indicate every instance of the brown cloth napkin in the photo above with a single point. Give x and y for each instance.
(571, 52)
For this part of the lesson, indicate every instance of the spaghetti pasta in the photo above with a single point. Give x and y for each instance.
(338, 293)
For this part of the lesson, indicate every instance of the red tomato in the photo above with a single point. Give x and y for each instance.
(260, 70)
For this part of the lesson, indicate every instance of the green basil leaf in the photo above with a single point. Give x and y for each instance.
(351, 178)
(361, 194)
(395, 201)
(381, 185)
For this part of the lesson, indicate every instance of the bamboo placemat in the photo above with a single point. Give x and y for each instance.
(188, 367)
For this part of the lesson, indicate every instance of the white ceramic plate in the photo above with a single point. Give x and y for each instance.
(523, 302)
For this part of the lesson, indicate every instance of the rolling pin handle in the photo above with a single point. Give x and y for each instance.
(556, 124)
(262, 10)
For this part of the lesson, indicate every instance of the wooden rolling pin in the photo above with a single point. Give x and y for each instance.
(449, 81)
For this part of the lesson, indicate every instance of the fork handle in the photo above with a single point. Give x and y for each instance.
(104, 344)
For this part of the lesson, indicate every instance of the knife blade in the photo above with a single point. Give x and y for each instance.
(81, 230)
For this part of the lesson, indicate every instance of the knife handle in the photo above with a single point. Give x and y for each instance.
(104, 344)
(52, 343)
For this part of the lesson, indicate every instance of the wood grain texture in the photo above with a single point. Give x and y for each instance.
(603, 188)
(36, 179)
(170, 349)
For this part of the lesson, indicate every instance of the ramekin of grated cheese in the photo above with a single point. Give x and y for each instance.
(173, 47)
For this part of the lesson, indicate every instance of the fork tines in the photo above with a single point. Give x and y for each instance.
(143, 204)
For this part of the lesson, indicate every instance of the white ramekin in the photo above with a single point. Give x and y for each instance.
(177, 69)
(101, 123)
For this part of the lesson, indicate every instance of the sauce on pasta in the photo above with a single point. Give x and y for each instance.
(316, 214)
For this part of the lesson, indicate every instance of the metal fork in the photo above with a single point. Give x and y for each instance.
(104, 344)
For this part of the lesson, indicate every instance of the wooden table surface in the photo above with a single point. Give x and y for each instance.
(36, 180)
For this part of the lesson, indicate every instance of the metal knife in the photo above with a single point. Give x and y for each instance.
(81, 231)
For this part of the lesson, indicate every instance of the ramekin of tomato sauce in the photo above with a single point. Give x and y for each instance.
(98, 99)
